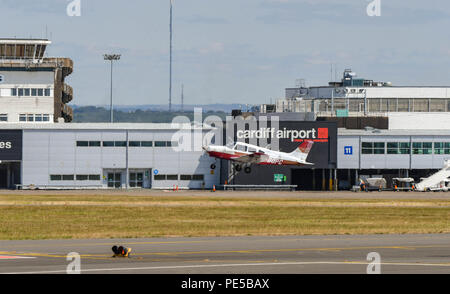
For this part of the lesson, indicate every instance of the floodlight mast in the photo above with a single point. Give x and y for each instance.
(111, 58)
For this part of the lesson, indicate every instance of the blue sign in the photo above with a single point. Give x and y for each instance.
(155, 171)
(348, 150)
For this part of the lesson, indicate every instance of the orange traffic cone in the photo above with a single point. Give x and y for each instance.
(177, 187)
(214, 188)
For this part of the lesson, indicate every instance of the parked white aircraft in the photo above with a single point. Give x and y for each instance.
(247, 154)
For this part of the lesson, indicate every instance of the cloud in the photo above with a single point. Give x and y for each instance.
(349, 13)
(215, 47)
(201, 19)
(47, 6)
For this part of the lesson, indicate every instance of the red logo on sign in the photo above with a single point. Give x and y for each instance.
(323, 133)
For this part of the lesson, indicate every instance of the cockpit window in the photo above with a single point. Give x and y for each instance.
(240, 147)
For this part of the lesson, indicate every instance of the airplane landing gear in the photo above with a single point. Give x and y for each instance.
(213, 166)
(237, 168)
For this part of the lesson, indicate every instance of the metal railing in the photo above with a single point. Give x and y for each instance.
(260, 187)
(53, 187)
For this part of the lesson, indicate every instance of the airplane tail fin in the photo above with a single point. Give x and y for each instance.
(303, 150)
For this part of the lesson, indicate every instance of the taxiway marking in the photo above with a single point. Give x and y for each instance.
(238, 265)
(9, 257)
(245, 251)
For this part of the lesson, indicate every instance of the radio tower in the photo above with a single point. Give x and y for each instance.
(170, 57)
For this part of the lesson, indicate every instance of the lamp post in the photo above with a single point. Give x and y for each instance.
(111, 57)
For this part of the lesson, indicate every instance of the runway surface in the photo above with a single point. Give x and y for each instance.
(233, 255)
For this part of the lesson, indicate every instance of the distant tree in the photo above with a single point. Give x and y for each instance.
(100, 114)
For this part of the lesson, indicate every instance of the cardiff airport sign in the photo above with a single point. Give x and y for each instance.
(285, 136)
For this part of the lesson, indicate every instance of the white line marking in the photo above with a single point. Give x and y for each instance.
(9, 257)
(235, 265)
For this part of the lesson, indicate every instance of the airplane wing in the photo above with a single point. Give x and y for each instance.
(250, 158)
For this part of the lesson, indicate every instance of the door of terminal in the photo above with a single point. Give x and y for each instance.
(140, 178)
(136, 179)
(9, 175)
(114, 180)
(3, 178)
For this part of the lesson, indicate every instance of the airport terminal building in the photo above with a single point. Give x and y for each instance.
(101, 156)
(98, 156)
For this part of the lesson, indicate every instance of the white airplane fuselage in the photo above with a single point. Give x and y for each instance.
(247, 153)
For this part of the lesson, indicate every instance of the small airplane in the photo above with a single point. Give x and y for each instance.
(247, 154)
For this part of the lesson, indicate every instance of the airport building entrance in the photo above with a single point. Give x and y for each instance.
(10, 158)
(114, 180)
(9, 175)
(313, 179)
(139, 178)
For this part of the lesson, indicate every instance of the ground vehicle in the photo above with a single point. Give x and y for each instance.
(443, 186)
(403, 184)
(372, 184)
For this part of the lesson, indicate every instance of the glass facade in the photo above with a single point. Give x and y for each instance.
(418, 148)
(373, 148)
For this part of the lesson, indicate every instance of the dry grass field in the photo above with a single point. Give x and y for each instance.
(69, 214)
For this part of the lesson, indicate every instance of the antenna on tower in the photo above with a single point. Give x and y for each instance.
(300, 83)
(182, 97)
(170, 59)
(331, 73)
(335, 73)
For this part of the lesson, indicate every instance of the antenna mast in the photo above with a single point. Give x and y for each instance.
(170, 62)
(182, 97)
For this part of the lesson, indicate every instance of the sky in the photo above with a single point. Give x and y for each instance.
(235, 51)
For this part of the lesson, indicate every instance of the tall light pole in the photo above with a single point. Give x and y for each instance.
(111, 57)
(170, 59)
